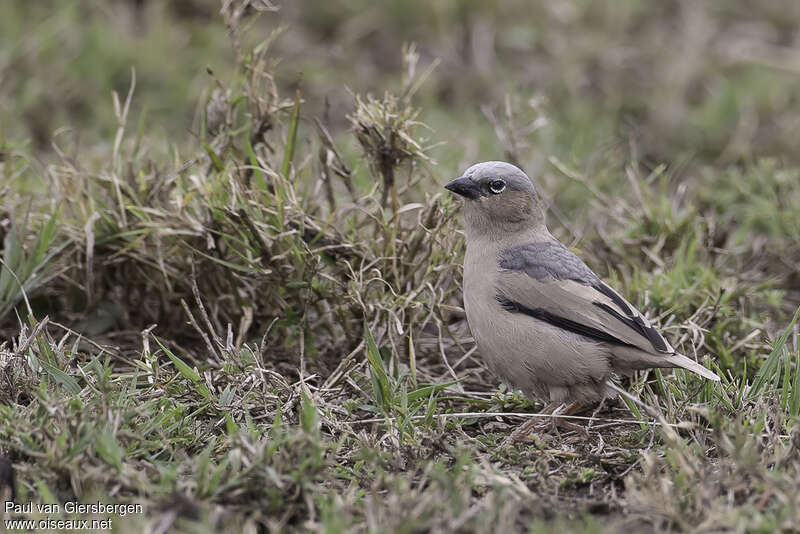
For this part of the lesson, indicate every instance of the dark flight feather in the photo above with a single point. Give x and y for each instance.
(558, 321)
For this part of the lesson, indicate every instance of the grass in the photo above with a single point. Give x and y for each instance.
(257, 324)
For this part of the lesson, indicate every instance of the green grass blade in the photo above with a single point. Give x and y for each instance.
(381, 385)
(182, 367)
(66, 381)
(186, 371)
(291, 138)
(219, 166)
(769, 373)
(261, 180)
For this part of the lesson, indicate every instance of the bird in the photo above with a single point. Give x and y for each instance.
(543, 321)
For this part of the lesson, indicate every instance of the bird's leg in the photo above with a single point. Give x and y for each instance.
(521, 433)
(573, 408)
(595, 412)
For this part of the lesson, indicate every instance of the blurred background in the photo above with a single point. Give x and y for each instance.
(710, 82)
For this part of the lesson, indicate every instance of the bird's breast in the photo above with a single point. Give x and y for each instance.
(480, 274)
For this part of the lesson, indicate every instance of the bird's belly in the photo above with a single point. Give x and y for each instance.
(532, 355)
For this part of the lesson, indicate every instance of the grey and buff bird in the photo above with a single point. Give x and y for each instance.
(544, 322)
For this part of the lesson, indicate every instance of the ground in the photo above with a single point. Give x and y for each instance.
(231, 279)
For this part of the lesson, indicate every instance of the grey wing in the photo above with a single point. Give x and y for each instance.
(547, 281)
(547, 260)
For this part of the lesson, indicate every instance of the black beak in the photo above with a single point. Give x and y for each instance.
(465, 187)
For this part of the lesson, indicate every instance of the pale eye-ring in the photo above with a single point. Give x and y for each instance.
(497, 186)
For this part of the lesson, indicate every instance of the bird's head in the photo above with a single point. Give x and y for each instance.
(498, 197)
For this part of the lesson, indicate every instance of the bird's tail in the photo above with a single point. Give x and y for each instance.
(679, 360)
(631, 358)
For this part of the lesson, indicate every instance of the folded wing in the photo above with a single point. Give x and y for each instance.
(547, 281)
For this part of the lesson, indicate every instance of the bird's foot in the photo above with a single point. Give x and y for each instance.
(566, 425)
(523, 432)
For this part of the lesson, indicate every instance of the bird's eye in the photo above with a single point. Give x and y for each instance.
(497, 186)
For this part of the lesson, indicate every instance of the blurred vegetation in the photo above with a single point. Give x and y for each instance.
(231, 280)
